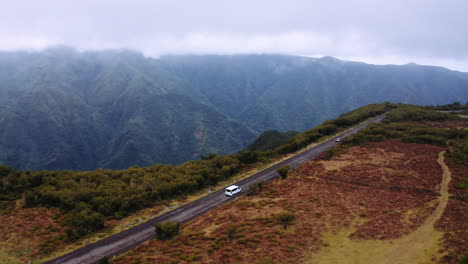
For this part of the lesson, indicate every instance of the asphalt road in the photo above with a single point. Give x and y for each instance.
(131, 238)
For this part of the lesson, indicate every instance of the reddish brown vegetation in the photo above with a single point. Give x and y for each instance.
(29, 232)
(320, 205)
(459, 173)
(454, 223)
(410, 166)
(454, 220)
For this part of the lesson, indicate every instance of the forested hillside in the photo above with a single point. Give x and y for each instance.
(295, 93)
(63, 109)
(68, 110)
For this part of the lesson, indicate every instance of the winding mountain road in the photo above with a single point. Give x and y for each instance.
(131, 238)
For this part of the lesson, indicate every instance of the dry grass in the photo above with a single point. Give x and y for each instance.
(333, 219)
(26, 233)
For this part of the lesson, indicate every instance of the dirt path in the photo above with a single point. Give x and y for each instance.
(418, 247)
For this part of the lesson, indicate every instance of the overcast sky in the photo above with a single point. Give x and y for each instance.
(433, 32)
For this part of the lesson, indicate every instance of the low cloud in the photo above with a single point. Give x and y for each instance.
(374, 31)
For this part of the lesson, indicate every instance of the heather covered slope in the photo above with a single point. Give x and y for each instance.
(375, 199)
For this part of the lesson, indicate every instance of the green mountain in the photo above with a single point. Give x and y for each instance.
(271, 139)
(295, 93)
(84, 111)
(63, 109)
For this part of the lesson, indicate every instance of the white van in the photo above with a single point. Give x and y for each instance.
(233, 189)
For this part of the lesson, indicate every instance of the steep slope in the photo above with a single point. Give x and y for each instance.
(271, 139)
(110, 110)
(114, 109)
(173, 129)
(50, 129)
(286, 92)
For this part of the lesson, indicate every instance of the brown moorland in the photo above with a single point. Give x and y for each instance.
(26, 233)
(363, 200)
(34, 233)
(453, 221)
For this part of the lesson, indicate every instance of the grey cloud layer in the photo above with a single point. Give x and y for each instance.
(425, 31)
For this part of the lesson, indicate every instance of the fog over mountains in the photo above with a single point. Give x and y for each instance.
(63, 109)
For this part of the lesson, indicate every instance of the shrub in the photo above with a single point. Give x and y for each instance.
(285, 218)
(415, 113)
(425, 139)
(255, 189)
(283, 171)
(464, 259)
(462, 153)
(48, 245)
(208, 157)
(462, 184)
(231, 232)
(104, 260)
(83, 222)
(327, 129)
(248, 156)
(166, 230)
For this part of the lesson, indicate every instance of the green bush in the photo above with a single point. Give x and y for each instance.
(232, 232)
(255, 189)
(283, 171)
(425, 139)
(416, 113)
(166, 230)
(48, 245)
(248, 156)
(327, 129)
(462, 184)
(453, 106)
(104, 260)
(107, 194)
(464, 259)
(285, 218)
(83, 222)
(462, 153)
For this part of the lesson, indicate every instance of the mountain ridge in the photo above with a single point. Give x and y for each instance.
(63, 109)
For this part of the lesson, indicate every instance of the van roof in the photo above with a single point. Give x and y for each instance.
(232, 187)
